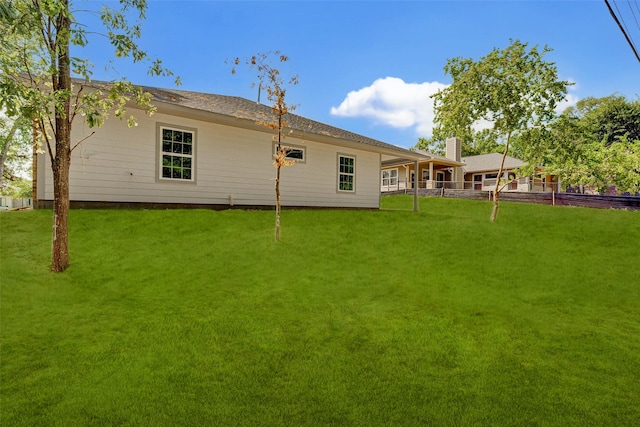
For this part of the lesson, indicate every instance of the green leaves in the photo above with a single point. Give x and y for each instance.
(512, 89)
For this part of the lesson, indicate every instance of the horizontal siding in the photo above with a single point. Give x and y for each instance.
(118, 164)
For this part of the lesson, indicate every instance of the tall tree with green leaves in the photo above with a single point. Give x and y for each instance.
(15, 149)
(514, 89)
(608, 118)
(36, 65)
(596, 144)
(270, 78)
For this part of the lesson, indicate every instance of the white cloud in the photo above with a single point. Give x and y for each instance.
(393, 102)
(569, 101)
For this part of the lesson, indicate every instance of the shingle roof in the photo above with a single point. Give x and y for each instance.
(245, 109)
(441, 159)
(490, 162)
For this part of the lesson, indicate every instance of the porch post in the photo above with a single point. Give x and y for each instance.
(415, 188)
(431, 174)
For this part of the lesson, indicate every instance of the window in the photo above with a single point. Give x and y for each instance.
(425, 175)
(346, 173)
(491, 176)
(390, 177)
(177, 154)
(294, 152)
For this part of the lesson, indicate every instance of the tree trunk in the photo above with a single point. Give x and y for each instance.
(62, 161)
(494, 211)
(60, 244)
(277, 202)
(496, 191)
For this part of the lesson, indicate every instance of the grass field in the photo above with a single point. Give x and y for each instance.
(356, 318)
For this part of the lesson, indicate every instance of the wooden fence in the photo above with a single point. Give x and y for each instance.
(557, 199)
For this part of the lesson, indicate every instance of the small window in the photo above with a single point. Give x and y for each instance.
(294, 152)
(346, 173)
(491, 176)
(176, 154)
(425, 175)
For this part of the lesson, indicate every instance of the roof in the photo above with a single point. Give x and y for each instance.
(244, 109)
(490, 162)
(440, 159)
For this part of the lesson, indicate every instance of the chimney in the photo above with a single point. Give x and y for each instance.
(454, 149)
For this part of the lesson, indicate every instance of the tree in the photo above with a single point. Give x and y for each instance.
(608, 118)
(15, 149)
(36, 65)
(596, 144)
(478, 142)
(513, 89)
(270, 78)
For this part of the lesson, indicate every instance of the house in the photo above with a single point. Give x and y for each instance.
(433, 171)
(210, 150)
(455, 172)
(481, 173)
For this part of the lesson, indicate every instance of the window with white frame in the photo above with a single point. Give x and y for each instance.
(389, 177)
(294, 152)
(177, 153)
(346, 173)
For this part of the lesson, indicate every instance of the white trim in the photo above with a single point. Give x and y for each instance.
(161, 153)
(339, 173)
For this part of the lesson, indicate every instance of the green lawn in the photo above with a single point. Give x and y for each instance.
(356, 318)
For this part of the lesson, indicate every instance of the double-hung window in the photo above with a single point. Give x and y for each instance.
(346, 173)
(177, 154)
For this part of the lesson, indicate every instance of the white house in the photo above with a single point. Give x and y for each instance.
(211, 150)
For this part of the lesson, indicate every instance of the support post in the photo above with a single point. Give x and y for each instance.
(415, 188)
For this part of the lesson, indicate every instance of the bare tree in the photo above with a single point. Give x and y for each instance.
(270, 79)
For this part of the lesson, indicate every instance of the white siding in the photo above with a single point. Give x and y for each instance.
(118, 164)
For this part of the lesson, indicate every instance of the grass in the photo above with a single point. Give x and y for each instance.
(355, 318)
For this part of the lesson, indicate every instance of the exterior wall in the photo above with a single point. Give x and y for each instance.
(120, 164)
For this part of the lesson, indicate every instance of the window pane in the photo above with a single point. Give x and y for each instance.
(294, 154)
(166, 146)
(178, 161)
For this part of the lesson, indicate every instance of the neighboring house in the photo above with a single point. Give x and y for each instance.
(456, 172)
(210, 150)
(481, 173)
(8, 203)
(434, 171)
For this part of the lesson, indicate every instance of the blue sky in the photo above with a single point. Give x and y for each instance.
(370, 66)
